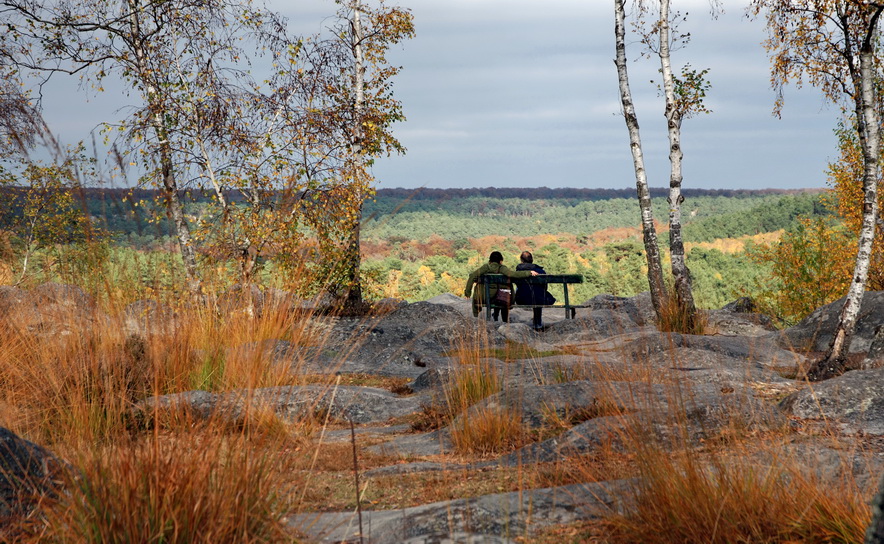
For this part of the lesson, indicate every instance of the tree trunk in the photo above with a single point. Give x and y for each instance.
(649, 231)
(176, 212)
(167, 168)
(353, 256)
(835, 361)
(674, 115)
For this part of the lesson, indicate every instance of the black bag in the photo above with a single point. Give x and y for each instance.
(503, 297)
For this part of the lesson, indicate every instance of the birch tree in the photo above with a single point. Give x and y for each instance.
(649, 231)
(833, 46)
(368, 110)
(684, 97)
(167, 53)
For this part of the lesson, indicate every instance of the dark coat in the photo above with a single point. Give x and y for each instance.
(532, 293)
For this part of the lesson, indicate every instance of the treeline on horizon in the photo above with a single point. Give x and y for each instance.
(133, 219)
(426, 193)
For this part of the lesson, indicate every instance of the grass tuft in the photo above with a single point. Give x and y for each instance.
(206, 488)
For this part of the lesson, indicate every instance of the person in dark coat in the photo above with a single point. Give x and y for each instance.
(493, 266)
(532, 293)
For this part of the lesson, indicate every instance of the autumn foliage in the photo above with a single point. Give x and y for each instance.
(846, 198)
(811, 265)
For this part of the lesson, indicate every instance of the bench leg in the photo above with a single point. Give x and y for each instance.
(569, 311)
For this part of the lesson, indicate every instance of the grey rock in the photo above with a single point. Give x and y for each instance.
(401, 342)
(27, 471)
(595, 325)
(814, 332)
(875, 356)
(523, 334)
(433, 379)
(199, 404)
(416, 445)
(19, 306)
(743, 305)
(854, 401)
(541, 405)
(63, 295)
(637, 309)
(291, 403)
(489, 518)
(765, 349)
(588, 437)
(731, 323)
(50, 309)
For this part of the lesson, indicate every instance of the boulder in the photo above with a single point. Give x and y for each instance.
(63, 295)
(743, 305)
(854, 401)
(875, 356)
(405, 341)
(639, 308)
(736, 323)
(597, 324)
(19, 307)
(27, 471)
(814, 332)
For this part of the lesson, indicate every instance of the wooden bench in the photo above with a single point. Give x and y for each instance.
(486, 280)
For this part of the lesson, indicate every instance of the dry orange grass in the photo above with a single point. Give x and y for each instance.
(488, 430)
(202, 488)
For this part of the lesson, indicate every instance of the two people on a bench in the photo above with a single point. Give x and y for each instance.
(527, 294)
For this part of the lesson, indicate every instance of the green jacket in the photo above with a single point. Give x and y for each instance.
(489, 268)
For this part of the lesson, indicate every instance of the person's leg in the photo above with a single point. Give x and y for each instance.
(505, 314)
(538, 318)
(495, 312)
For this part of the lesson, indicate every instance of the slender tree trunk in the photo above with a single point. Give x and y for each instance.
(835, 361)
(649, 231)
(674, 115)
(167, 169)
(353, 255)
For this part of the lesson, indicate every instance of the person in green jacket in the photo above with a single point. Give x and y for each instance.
(494, 266)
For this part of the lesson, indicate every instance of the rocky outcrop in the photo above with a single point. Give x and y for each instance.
(853, 402)
(405, 341)
(588, 386)
(497, 518)
(638, 309)
(814, 332)
(290, 403)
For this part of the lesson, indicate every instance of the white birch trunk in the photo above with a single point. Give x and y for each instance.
(167, 169)
(353, 256)
(674, 115)
(835, 361)
(649, 231)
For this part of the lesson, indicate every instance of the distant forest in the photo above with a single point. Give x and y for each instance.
(457, 214)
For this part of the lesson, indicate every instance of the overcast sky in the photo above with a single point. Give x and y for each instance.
(521, 93)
